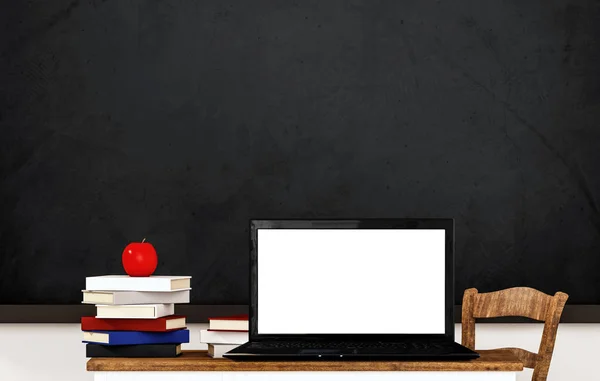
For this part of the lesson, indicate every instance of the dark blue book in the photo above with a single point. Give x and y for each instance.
(136, 337)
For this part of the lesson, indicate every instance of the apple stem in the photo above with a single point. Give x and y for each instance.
(143, 240)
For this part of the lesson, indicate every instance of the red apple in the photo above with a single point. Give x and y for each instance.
(139, 259)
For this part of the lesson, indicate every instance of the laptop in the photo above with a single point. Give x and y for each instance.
(352, 289)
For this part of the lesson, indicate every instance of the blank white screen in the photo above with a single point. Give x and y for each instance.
(328, 281)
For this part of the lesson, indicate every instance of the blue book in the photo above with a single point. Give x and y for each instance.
(136, 337)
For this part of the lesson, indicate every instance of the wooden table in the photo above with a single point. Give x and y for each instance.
(493, 365)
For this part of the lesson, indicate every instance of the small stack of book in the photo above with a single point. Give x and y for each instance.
(224, 334)
(135, 316)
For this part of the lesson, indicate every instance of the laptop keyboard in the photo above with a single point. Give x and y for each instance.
(408, 346)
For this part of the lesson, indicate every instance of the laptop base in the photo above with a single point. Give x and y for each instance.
(407, 351)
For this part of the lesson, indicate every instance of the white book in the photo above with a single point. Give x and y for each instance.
(134, 311)
(144, 283)
(228, 323)
(223, 337)
(218, 350)
(135, 297)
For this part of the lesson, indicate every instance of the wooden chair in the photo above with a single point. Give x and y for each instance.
(517, 301)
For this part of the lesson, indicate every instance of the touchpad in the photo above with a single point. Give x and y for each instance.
(320, 351)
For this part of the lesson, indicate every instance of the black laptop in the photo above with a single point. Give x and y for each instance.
(352, 289)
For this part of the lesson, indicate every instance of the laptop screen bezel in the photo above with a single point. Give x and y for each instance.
(446, 224)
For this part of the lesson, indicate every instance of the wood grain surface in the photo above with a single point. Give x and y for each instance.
(517, 301)
(199, 361)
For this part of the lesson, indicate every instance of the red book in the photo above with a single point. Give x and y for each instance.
(163, 324)
(229, 323)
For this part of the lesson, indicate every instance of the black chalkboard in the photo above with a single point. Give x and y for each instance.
(178, 121)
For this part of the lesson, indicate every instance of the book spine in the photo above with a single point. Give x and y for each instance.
(218, 350)
(165, 310)
(135, 338)
(89, 323)
(113, 312)
(128, 284)
(143, 350)
(121, 298)
(134, 297)
(222, 337)
(228, 325)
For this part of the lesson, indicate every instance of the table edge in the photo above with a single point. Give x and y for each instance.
(107, 365)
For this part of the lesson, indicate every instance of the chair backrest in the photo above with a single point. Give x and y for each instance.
(517, 301)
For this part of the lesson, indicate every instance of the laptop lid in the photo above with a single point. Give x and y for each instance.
(367, 279)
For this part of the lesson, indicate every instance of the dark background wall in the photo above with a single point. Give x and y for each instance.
(180, 120)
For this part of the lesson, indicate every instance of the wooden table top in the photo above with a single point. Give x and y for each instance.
(198, 361)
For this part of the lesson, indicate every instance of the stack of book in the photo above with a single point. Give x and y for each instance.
(135, 316)
(224, 334)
